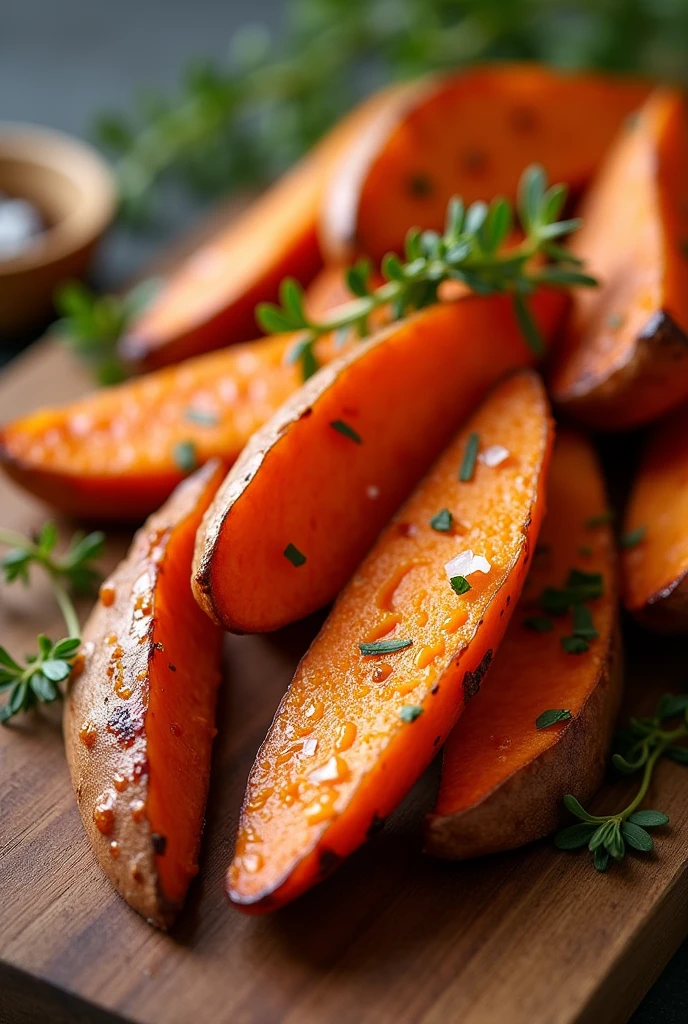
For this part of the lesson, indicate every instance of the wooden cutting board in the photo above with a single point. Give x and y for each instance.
(531, 937)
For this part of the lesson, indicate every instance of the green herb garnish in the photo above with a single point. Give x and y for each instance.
(202, 417)
(645, 741)
(470, 456)
(585, 551)
(410, 712)
(343, 428)
(551, 717)
(539, 623)
(184, 453)
(37, 680)
(293, 555)
(632, 538)
(460, 584)
(601, 519)
(91, 325)
(384, 647)
(443, 521)
(470, 251)
(583, 625)
(575, 644)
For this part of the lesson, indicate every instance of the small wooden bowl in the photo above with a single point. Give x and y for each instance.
(74, 191)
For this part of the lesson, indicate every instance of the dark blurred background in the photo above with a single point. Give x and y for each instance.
(64, 62)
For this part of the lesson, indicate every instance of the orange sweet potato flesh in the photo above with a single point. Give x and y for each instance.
(503, 780)
(139, 717)
(624, 360)
(115, 454)
(340, 754)
(301, 482)
(209, 302)
(655, 569)
(469, 134)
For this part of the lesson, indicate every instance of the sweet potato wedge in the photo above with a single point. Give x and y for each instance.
(108, 456)
(655, 559)
(313, 488)
(118, 453)
(359, 724)
(139, 717)
(210, 301)
(469, 134)
(624, 360)
(503, 780)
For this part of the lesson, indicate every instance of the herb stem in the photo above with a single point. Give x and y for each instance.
(66, 606)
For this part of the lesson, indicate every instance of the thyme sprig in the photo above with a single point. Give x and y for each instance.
(608, 836)
(37, 680)
(471, 251)
(91, 324)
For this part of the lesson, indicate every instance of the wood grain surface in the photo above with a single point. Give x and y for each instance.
(531, 937)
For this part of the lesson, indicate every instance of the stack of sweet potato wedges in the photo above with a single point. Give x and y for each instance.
(415, 480)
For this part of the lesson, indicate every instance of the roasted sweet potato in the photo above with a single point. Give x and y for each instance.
(469, 134)
(118, 453)
(624, 360)
(503, 780)
(404, 649)
(139, 717)
(313, 488)
(655, 559)
(210, 301)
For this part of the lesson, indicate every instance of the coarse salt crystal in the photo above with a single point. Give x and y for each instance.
(466, 563)
(494, 455)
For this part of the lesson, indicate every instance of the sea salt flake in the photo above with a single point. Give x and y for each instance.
(494, 455)
(466, 563)
(309, 747)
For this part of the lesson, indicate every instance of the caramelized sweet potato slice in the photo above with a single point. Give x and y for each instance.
(360, 723)
(503, 780)
(624, 360)
(139, 718)
(119, 452)
(469, 134)
(210, 301)
(655, 561)
(313, 488)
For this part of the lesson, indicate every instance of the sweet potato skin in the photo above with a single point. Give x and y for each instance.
(296, 825)
(404, 392)
(404, 167)
(139, 714)
(210, 301)
(503, 781)
(624, 360)
(655, 570)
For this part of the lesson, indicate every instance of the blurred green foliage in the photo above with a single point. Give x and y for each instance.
(245, 121)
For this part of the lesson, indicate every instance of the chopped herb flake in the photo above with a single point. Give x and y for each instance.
(410, 712)
(585, 551)
(343, 428)
(614, 321)
(443, 521)
(575, 644)
(632, 538)
(551, 717)
(384, 647)
(582, 622)
(202, 417)
(601, 519)
(539, 623)
(293, 555)
(469, 458)
(585, 585)
(185, 456)
(460, 584)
